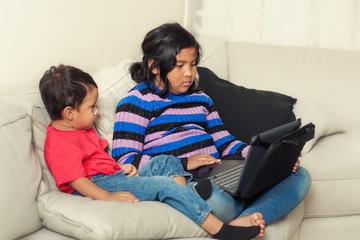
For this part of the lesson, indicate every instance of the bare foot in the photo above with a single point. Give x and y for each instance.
(255, 219)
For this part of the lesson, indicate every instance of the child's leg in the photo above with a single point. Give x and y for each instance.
(169, 166)
(180, 180)
(179, 197)
(165, 165)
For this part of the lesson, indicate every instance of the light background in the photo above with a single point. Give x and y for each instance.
(88, 34)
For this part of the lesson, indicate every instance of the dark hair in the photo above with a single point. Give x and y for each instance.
(163, 44)
(64, 86)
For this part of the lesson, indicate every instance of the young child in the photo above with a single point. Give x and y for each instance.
(75, 156)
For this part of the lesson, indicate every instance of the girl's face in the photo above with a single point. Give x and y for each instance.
(182, 76)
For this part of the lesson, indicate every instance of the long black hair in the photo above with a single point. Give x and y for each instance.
(162, 44)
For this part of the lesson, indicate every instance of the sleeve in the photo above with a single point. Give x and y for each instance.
(225, 143)
(131, 121)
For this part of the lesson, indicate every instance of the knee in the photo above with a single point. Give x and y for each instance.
(305, 178)
(223, 205)
(164, 160)
(162, 181)
(304, 175)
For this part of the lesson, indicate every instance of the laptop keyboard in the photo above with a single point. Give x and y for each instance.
(229, 178)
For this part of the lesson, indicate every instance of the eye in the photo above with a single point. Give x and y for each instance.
(179, 65)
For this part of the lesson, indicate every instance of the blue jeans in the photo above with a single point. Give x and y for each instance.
(155, 184)
(274, 204)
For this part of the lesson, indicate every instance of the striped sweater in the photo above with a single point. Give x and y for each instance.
(147, 125)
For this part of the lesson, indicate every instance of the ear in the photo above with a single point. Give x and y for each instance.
(68, 113)
(155, 70)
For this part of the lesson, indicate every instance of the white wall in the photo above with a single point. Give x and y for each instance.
(89, 34)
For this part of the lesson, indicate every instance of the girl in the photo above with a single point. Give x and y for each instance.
(166, 114)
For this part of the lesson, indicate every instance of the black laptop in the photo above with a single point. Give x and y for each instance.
(270, 159)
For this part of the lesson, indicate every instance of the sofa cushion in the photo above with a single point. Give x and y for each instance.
(30, 101)
(246, 112)
(334, 167)
(113, 82)
(85, 218)
(213, 53)
(326, 123)
(20, 178)
(327, 79)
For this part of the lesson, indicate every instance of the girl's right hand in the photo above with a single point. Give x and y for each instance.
(199, 160)
(123, 197)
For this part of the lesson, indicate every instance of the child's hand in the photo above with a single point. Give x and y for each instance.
(129, 169)
(123, 197)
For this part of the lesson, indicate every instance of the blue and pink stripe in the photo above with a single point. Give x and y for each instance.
(147, 125)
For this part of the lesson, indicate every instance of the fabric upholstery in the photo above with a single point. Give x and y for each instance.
(246, 112)
(20, 175)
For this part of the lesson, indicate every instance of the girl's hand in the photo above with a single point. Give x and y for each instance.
(199, 160)
(123, 197)
(129, 169)
(296, 164)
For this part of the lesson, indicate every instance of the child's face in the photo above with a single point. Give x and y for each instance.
(87, 112)
(182, 76)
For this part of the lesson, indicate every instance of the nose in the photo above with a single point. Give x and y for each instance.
(188, 72)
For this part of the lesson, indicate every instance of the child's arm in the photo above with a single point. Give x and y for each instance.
(89, 189)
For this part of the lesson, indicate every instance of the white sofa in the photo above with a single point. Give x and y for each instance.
(323, 81)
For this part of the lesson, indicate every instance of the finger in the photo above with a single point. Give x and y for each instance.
(132, 173)
(209, 161)
(131, 197)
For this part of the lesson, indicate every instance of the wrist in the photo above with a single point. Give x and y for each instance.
(184, 163)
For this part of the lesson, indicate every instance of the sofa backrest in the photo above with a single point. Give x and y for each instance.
(324, 81)
(20, 176)
(113, 82)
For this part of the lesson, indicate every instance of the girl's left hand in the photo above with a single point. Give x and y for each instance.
(129, 169)
(296, 164)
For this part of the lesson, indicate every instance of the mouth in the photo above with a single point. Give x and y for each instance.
(187, 83)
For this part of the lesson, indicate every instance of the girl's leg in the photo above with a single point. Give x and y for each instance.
(223, 206)
(281, 199)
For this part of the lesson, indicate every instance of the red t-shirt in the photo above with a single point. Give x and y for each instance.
(71, 155)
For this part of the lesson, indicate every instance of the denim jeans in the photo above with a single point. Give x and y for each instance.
(274, 204)
(155, 184)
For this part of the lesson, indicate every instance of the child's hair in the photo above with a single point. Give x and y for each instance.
(64, 86)
(163, 44)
